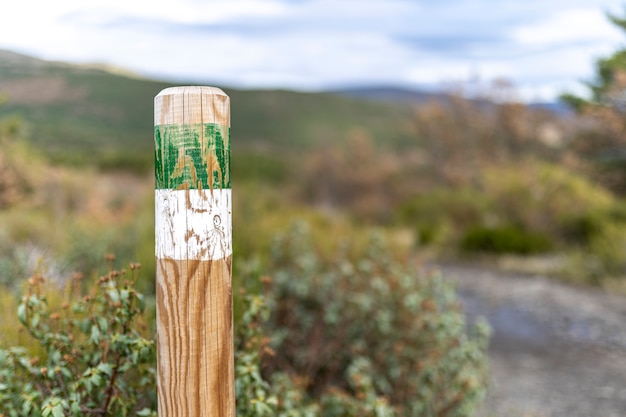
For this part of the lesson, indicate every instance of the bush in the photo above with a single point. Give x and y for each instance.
(439, 212)
(371, 321)
(526, 207)
(351, 336)
(501, 240)
(94, 358)
(542, 197)
(284, 396)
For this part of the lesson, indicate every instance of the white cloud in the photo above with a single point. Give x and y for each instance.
(569, 26)
(541, 46)
(184, 11)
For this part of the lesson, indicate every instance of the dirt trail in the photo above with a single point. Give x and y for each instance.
(556, 350)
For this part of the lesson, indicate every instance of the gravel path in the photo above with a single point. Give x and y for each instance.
(556, 350)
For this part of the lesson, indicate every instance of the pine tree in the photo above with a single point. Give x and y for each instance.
(608, 89)
(602, 138)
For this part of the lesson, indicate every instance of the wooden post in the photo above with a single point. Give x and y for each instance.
(194, 253)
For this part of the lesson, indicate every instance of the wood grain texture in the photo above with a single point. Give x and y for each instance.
(189, 105)
(195, 346)
(194, 285)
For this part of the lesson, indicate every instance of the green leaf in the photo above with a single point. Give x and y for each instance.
(96, 380)
(95, 334)
(106, 368)
(84, 325)
(21, 313)
(55, 356)
(57, 411)
(142, 302)
(102, 322)
(114, 295)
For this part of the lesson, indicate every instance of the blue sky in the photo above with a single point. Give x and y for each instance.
(543, 46)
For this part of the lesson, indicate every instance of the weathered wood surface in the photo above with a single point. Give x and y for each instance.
(194, 253)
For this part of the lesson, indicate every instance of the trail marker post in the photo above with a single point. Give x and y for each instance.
(193, 230)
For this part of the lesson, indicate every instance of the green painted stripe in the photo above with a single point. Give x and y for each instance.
(192, 156)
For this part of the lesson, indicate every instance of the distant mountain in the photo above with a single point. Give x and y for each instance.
(13, 59)
(410, 96)
(395, 94)
(557, 107)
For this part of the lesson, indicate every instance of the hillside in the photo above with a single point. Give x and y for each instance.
(80, 114)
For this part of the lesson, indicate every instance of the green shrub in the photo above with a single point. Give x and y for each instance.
(354, 335)
(601, 260)
(95, 359)
(402, 329)
(499, 240)
(282, 395)
(435, 214)
(542, 197)
(582, 229)
(92, 357)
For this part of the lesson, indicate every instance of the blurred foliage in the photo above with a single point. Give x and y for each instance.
(72, 215)
(438, 214)
(106, 117)
(90, 351)
(260, 168)
(482, 162)
(507, 239)
(527, 194)
(464, 135)
(607, 87)
(345, 327)
(541, 197)
(16, 182)
(284, 396)
(402, 327)
(61, 219)
(94, 359)
(601, 137)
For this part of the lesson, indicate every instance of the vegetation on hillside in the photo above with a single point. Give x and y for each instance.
(106, 119)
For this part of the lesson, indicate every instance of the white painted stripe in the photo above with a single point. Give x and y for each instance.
(193, 224)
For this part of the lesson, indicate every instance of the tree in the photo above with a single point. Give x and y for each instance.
(602, 139)
(608, 89)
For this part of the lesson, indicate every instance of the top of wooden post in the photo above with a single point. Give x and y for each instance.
(190, 105)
